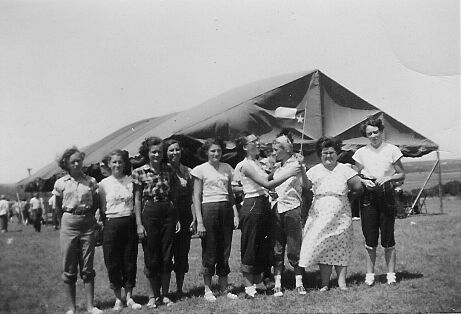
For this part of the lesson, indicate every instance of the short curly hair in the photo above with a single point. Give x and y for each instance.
(167, 143)
(125, 157)
(371, 121)
(213, 141)
(326, 142)
(64, 159)
(147, 143)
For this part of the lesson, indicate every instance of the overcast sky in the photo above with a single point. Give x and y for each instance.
(71, 72)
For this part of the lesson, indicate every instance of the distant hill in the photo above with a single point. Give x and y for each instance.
(448, 165)
(9, 190)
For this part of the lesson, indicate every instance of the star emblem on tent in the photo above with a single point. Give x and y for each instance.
(299, 118)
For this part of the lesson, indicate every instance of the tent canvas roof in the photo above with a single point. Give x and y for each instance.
(328, 108)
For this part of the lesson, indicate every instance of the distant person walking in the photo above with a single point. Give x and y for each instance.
(379, 165)
(4, 208)
(76, 195)
(36, 211)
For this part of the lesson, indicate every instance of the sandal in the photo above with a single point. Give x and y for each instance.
(118, 306)
(209, 296)
(133, 305)
(152, 304)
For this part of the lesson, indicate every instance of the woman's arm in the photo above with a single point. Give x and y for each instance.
(197, 200)
(137, 211)
(399, 174)
(102, 204)
(264, 181)
(232, 203)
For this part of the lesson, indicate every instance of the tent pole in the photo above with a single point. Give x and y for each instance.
(440, 183)
(424, 185)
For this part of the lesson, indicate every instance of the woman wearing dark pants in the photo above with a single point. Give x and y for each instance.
(120, 242)
(181, 243)
(255, 213)
(158, 221)
(216, 216)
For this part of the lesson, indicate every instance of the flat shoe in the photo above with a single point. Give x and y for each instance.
(133, 305)
(301, 290)
(152, 303)
(209, 296)
(94, 310)
(278, 292)
(323, 289)
(231, 296)
(118, 306)
(167, 301)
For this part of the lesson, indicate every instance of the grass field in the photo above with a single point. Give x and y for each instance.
(428, 267)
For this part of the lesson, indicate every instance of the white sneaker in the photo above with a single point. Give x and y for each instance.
(133, 305)
(278, 292)
(391, 279)
(209, 296)
(370, 279)
(118, 305)
(231, 296)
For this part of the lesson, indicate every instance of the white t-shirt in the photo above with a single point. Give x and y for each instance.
(215, 182)
(4, 205)
(119, 196)
(326, 182)
(250, 188)
(378, 162)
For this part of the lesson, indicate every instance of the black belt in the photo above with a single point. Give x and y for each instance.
(79, 211)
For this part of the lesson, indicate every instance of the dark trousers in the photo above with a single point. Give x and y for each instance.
(159, 220)
(120, 248)
(255, 227)
(4, 222)
(287, 236)
(378, 215)
(216, 245)
(36, 219)
(181, 242)
(56, 218)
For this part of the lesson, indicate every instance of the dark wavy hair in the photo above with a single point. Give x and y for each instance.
(64, 159)
(125, 157)
(167, 143)
(241, 141)
(326, 142)
(213, 141)
(147, 143)
(371, 121)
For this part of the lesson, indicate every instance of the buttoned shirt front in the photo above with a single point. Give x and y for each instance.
(155, 185)
(289, 192)
(76, 193)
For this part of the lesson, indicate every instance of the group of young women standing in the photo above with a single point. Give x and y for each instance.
(164, 202)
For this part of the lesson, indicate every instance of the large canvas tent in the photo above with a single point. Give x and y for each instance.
(322, 108)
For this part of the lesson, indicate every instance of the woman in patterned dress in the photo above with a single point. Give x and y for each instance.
(327, 234)
(157, 222)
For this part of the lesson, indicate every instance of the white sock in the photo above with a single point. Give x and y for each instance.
(278, 281)
(299, 280)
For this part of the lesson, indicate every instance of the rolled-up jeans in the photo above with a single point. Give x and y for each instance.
(287, 236)
(218, 220)
(76, 239)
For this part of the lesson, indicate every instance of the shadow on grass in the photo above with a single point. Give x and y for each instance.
(359, 278)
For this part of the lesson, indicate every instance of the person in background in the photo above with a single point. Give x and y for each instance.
(36, 211)
(156, 218)
(216, 214)
(255, 212)
(186, 213)
(76, 196)
(328, 234)
(287, 224)
(379, 165)
(56, 214)
(120, 241)
(4, 208)
(25, 211)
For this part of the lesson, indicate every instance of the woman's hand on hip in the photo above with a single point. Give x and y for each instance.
(236, 222)
(178, 227)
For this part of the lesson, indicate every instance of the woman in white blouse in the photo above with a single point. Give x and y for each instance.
(120, 243)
